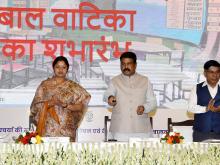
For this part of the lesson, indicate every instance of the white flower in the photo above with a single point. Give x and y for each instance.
(23, 134)
(171, 133)
(33, 140)
(164, 135)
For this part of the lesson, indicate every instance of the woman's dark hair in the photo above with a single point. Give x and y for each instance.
(210, 63)
(61, 58)
(129, 55)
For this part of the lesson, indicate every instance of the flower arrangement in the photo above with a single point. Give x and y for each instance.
(90, 153)
(29, 138)
(172, 138)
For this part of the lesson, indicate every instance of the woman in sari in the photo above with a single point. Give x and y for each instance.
(59, 104)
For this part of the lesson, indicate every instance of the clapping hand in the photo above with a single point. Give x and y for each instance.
(211, 106)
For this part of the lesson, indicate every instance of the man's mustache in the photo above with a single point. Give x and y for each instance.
(126, 69)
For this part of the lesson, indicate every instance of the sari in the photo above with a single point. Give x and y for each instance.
(58, 121)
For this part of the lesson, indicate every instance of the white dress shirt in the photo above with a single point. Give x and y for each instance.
(193, 106)
(130, 92)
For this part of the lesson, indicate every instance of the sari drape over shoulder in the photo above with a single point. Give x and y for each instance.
(58, 121)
